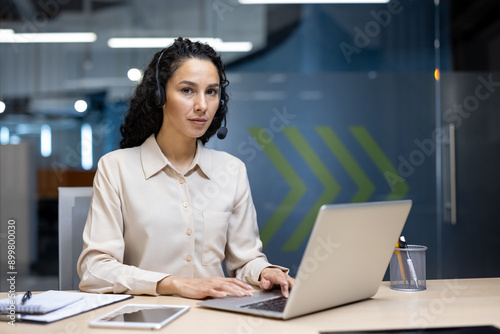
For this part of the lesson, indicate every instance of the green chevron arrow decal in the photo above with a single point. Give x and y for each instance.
(365, 186)
(399, 188)
(297, 187)
(330, 192)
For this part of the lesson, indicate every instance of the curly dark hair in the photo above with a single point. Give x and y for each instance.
(144, 117)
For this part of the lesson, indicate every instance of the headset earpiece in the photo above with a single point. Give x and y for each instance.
(160, 90)
(221, 102)
(222, 131)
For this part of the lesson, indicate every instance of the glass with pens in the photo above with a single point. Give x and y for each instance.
(407, 267)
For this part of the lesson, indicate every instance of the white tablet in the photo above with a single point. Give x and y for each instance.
(140, 316)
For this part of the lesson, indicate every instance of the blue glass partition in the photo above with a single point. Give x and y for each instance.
(309, 140)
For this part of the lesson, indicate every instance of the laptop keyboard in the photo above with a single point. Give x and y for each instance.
(276, 304)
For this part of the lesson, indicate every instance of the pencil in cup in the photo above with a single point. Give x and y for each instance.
(400, 262)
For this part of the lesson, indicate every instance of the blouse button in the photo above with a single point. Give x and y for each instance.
(182, 180)
(188, 232)
(189, 258)
(185, 204)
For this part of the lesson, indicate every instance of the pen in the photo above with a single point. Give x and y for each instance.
(402, 243)
(26, 296)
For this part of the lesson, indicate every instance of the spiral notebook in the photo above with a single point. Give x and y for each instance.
(58, 305)
(40, 303)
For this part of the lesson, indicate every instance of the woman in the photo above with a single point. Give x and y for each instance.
(166, 211)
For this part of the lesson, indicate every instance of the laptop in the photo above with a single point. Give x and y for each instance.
(345, 260)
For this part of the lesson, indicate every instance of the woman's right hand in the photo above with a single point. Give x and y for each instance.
(199, 288)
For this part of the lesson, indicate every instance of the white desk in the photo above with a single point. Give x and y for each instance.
(445, 303)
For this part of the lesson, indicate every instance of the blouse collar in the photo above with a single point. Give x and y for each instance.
(153, 160)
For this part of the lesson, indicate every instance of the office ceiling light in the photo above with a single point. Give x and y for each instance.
(80, 105)
(2, 107)
(9, 36)
(4, 135)
(45, 140)
(306, 2)
(151, 42)
(233, 46)
(134, 74)
(86, 146)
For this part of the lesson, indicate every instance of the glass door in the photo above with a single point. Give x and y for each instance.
(471, 179)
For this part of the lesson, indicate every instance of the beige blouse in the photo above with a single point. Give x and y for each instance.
(147, 221)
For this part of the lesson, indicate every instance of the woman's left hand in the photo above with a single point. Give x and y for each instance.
(269, 277)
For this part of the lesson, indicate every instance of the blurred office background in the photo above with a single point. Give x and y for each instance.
(330, 103)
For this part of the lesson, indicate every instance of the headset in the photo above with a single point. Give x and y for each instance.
(161, 98)
(160, 91)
